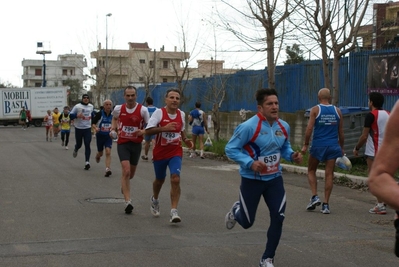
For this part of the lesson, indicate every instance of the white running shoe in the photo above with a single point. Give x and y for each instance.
(66, 148)
(266, 262)
(154, 207)
(174, 217)
(229, 220)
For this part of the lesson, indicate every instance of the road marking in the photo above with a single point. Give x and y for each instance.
(226, 167)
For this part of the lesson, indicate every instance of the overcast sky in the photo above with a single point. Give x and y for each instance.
(78, 26)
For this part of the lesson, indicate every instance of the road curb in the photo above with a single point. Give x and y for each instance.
(304, 170)
(320, 173)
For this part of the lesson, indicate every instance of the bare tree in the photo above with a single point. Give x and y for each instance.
(216, 95)
(144, 70)
(6, 84)
(75, 88)
(267, 17)
(182, 71)
(335, 28)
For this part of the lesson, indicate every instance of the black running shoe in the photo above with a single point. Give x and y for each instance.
(87, 166)
(108, 173)
(396, 224)
(129, 208)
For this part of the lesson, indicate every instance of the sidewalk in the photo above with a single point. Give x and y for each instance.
(304, 170)
(320, 173)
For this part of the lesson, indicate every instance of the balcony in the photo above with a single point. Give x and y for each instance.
(390, 25)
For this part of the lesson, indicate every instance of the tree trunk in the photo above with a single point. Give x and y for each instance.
(216, 121)
(270, 61)
(326, 71)
(335, 83)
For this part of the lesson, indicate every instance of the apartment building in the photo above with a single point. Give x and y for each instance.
(383, 33)
(66, 67)
(140, 65)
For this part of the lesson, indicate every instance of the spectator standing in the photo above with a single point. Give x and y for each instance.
(326, 124)
(22, 118)
(28, 118)
(372, 136)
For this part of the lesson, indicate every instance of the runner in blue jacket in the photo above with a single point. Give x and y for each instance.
(257, 145)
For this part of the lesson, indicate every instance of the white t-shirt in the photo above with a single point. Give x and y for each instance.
(87, 111)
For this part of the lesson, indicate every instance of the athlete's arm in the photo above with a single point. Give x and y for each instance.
(341, 131)
(381, 178)
(309, 128)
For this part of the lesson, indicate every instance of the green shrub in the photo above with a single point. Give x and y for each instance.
(217, 147)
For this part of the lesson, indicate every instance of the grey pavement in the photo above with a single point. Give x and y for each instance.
(54, 213)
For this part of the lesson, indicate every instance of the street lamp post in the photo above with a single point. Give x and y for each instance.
(42, 51)
(106, 54)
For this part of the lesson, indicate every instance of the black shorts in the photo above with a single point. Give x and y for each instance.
(129, 151)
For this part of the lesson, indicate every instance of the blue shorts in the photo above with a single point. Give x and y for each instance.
(323, 153)
(102, 141)
(148, 138)
(198, 130)
(160, 166)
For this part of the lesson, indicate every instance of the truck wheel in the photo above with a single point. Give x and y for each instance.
(5, 124)
(37, 123)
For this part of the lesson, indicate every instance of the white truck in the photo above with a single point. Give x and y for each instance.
(37, 99)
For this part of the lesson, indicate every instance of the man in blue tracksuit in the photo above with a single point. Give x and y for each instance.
(257, 145)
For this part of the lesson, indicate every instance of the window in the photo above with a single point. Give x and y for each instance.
(38, 72)
(142, 61)
(165, 64)
(141, 79)
(71, 72)
(64, 72)
(38, 84)
(164, 80)
(151, 64)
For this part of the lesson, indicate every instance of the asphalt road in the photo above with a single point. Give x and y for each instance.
(55, 213)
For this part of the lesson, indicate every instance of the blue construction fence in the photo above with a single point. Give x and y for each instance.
(297, 86)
